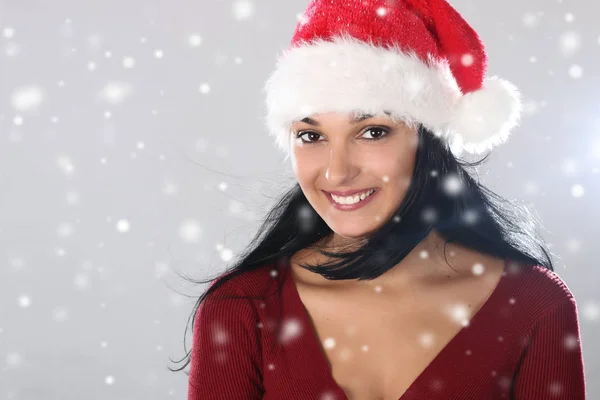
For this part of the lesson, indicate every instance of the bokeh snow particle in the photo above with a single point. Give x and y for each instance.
(429, 215)
(569, 167)
(8, 32)
(478, 269)
(60, 314)
(329, 343)
(569, 43)
(12, 49)
(17, 263)
(532, 188)
(170, 189)
(24, 301)
(128, 62)
(14, 360)
(452, 185)
(116, 92)
(530, 19)
(65, 230)
(575, 71)
(123, 225)
(66, 165)
(467, 59)
(530, 107)
(195, 40)
(426, 339)
(382, 12)
(27, 98)
(569, 17)
(81, 281)
(204, 88)
(591, 311)
(303, 20)
(243, 10)
(226, 254)
(189, 231)
(94, 41)
(577, 190)
(573, 245)
(460, 314)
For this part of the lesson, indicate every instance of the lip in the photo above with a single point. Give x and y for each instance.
(351, 207)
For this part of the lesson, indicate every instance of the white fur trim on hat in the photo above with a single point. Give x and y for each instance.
(348, 75)
(484, 118)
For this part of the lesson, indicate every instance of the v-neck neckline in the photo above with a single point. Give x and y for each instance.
(322, 364)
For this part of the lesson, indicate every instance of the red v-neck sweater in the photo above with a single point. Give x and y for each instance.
(523, 344)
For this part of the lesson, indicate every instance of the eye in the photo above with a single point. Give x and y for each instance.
(380, 133)
(309, 134)
(383, 132)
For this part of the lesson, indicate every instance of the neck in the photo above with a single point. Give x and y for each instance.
(425, 261)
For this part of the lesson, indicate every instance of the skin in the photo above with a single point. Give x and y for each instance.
(342, 155)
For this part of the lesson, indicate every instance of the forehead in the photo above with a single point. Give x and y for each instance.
(352, 117)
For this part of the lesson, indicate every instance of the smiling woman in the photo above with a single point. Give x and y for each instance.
(387, 271)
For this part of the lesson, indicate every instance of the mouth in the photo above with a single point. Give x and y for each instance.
(350, 203)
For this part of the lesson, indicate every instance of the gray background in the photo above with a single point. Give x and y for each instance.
(132, 150)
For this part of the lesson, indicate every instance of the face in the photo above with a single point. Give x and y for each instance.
(332, 152)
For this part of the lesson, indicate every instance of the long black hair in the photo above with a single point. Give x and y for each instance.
(442, 196)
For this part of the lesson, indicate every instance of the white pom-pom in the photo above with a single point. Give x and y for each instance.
(484, 118)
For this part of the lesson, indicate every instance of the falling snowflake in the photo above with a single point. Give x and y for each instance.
(24, 301)
(190, 231)
(123, 225)
(577, 190)
(8, 32)
(575, 71)
(204, 88)
(116, 92)
(65, 229)
(243, 10)
(27, 98)
(569, 43)
(195, 40)
(128, 62)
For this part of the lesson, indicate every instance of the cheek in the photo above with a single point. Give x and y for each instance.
(305, 169)
(394, 172)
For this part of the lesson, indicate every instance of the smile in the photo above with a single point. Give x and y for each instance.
(349, 203)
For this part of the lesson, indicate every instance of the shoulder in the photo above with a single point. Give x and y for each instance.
(536, 287)
(233, 300)
(251, 284)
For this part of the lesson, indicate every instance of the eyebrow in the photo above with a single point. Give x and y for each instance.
(354, 120)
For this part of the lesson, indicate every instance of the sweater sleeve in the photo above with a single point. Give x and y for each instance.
(226, 355)
(552, 365)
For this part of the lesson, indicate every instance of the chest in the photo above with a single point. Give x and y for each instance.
(376, 345)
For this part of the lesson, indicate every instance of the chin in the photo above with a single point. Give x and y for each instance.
(352, 230)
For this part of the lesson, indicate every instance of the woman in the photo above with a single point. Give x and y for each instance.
(388, 272)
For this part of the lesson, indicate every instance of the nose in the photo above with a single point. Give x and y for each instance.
(341, 167)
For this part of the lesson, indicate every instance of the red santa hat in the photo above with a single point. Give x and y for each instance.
(418, 59)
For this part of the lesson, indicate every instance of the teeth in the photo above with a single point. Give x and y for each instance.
(352, 199)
